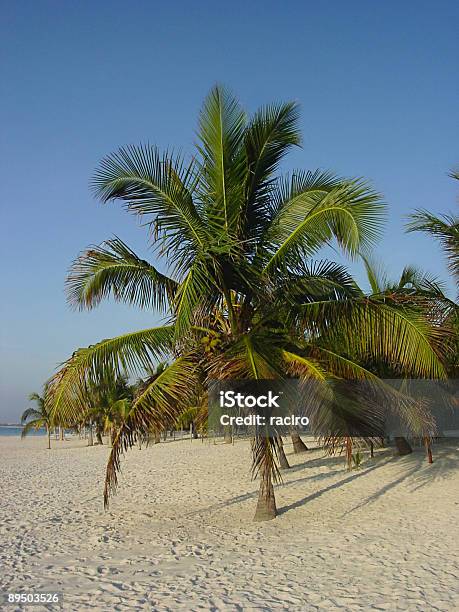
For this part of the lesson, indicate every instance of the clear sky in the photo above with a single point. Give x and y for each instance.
(378, 86)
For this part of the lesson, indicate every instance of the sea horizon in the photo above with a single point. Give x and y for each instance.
(16, 430)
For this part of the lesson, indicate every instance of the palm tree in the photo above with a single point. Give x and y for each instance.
(414, 290)
(109, 399)
(445, 229)
(36, 418)
(241, 295)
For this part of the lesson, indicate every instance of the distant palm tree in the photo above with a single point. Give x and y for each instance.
(36, 418)
(110, 401)
(242, 297)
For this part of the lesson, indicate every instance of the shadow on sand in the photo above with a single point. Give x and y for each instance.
(414, 467)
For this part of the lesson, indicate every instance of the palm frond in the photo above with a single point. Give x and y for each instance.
(317, 208)
(445, 229)
(31, 413)
(221, 130)
(158, 406)
(252, 356)
(128, 353)
(37, 423)
(265, 457)
(35, 397)
(303, 367)
(314, 281)
(154, 186)
(196, 294)
(402, 338)
(271, 133)
(114, 269)
(376, 275)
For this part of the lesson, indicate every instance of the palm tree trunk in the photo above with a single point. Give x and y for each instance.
(348, 443)
(283, 461)
(157, 439)
(428, 450)
(48, 431)
(266, 505)
(298, 445)
(90, 438)
(402, 445)
(227, 434)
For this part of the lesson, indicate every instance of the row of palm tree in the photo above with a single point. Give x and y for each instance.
(242, 289)
(106, 406)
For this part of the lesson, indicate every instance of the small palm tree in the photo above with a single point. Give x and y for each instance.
(36, 418)
(242, 295)
(109, 400)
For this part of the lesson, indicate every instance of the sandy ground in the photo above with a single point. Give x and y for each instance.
(179, 534)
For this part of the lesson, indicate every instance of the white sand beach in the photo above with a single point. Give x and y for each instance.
(179, 533)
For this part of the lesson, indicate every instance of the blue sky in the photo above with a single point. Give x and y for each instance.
(377, 82)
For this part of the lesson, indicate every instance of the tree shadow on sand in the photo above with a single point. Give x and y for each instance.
(253, 494)
(320, 492)
(414, 467)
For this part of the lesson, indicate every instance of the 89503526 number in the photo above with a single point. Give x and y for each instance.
(32, 598)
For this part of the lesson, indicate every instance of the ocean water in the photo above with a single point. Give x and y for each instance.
(11, 430)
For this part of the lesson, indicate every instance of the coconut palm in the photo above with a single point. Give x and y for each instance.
(416, 291)
(109, 402)
(36, 418)
(241, 294)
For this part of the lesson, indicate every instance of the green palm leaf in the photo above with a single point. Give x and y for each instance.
(114, 269)
(445, 229)
(318, 209)
(158, 406)
(129, 353)
(221, 132)
(402, 338)
(155, 186)
(271, 133)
